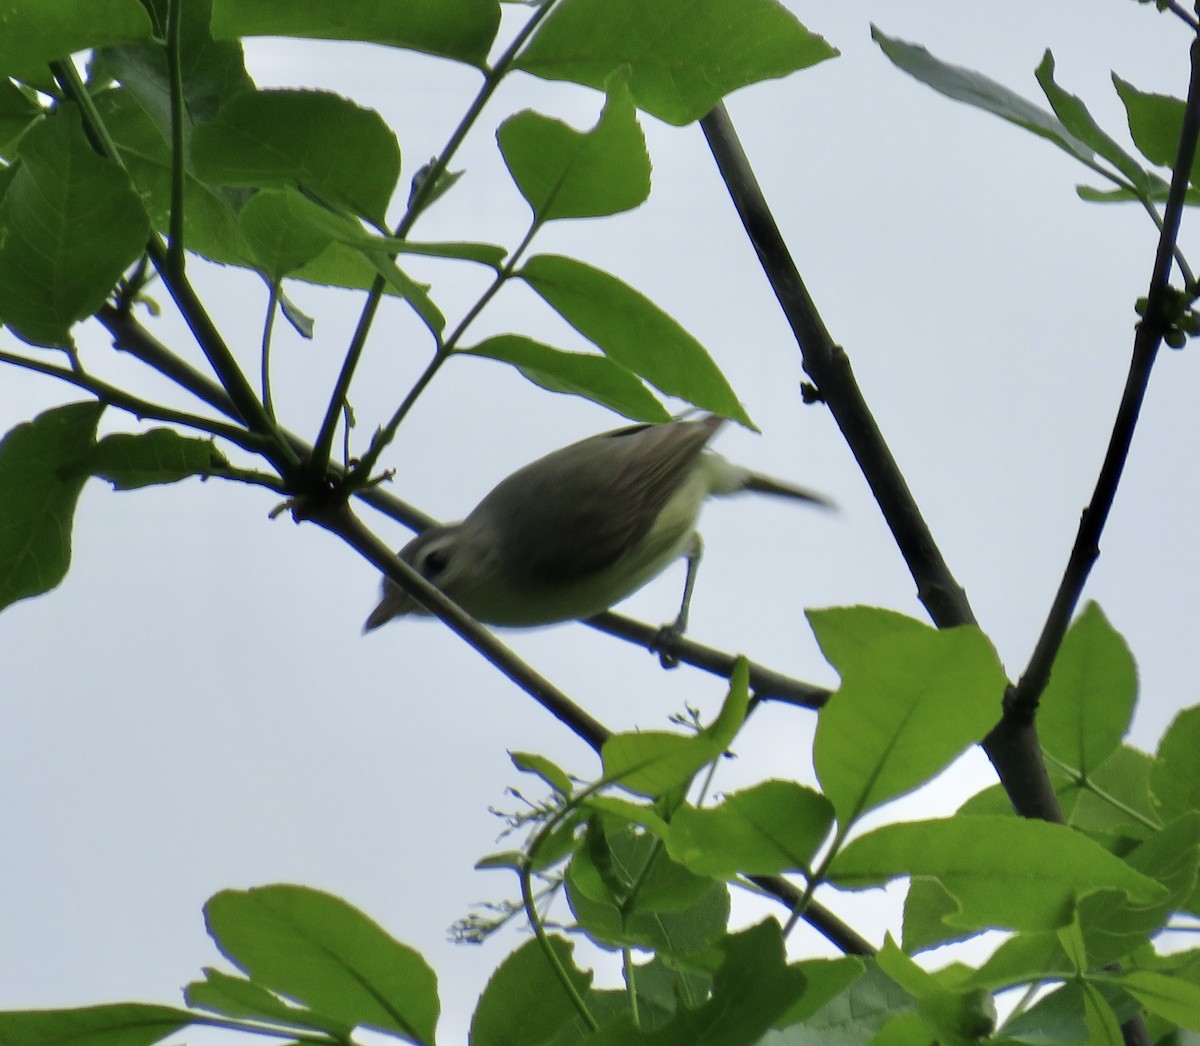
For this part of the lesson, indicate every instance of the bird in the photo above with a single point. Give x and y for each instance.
(577, 531)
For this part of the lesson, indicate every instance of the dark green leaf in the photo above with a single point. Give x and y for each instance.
(238, 997)
(17, 112)
(774, 827)
(317, 949)
(1004, 871)
(827, 979)
(460, 29)
(1086, 707)
(121, 1024)
(956, 1018)
(751, 988)
(975, 89)
(276, 228)
(490, 254)
(684, 55)
(321, 141)
(850, 1018)
(72, 224)
(524, 1000)
(212, 71)
(129, 460)
(1176, 1000)
(41, 485)
(926, 908)
(1175, 774)
(912, 698)
(632, 331)
(1076, 118)
(36, 32)
(1154, 122)
(596, 378)
(565, 173)
(210, 222)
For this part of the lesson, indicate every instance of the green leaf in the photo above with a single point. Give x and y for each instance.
(751, 988)
(72, 224)
(1087, 705)
(774, 827)
(239, 998)
(36, 32)
(323, 142)
(1175, 773)
(975, 89)
(926, 909)
(1155, 121)
(1103, 1027)
(212, 71)
(41, 485)
(524, 1000)
(653, 763)
(1176, 1000)
(1076, 118)
(120, 1024)
(912, 698)
(625, 891)
(684, 55)
(596, 378)
(458, 29)
(632, 331)
(129, 460)
(827, 979)
(1004, 871)
(317, 949)
(276, 228)
(956, 1018)
(1024, 959)
(210, 223)
(17, 113)
(556, 778)
(564, 173)
(850, 1018)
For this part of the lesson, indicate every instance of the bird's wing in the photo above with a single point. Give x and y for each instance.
(579, 509)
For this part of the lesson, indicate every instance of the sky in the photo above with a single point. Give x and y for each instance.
(195, 707)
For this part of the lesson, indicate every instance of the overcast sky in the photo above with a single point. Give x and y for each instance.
(195, 707)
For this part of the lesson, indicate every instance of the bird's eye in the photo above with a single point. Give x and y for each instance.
(436, 561)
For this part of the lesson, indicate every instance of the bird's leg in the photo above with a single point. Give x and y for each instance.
(665, 639)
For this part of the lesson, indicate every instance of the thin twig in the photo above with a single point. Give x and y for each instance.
(1023, 699)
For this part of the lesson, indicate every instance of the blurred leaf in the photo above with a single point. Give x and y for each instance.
(317, 949)
(684, 55)
(72, 224)
(275, 227)
(1155, 121)
(751, 988)
(326, 143)
(1088, 703)
(524, 1000)
(911, 699)
(1024, 959)
(827, 979)
(926, 908)
(459, 29)
(36, 32)
(1005, 872)
(1175, 773)
(120, 1024)
(1076, 118)
(131, 460)
(564, 173)
(1176, 1000)
(531, 763)
(1103, 1027)
(41, 486)
(633, 331)
(975, 89)
(773, 827)
(851, 1017)
(956, 1018)
(596, 378)
(238, 997)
